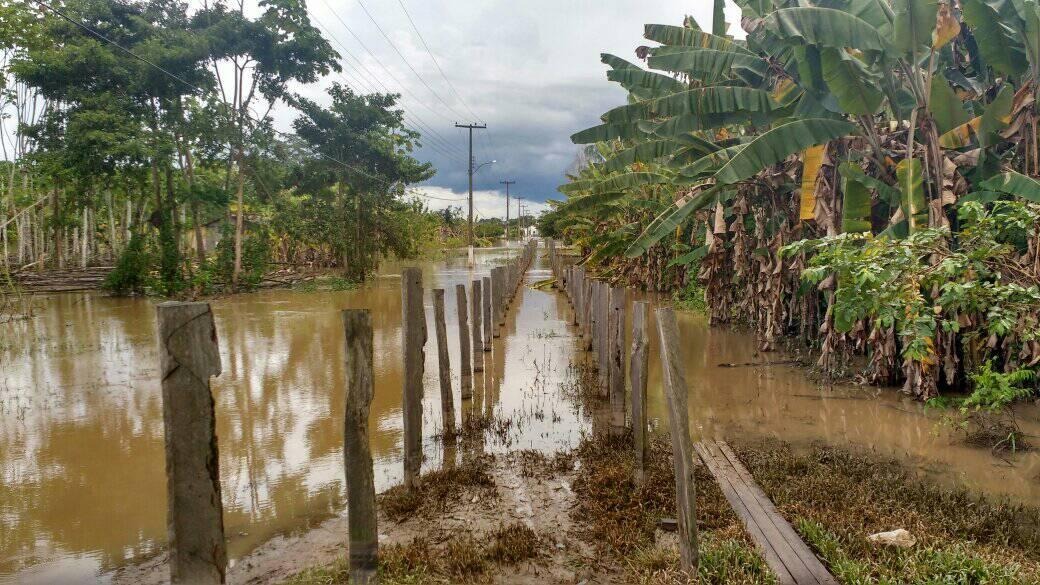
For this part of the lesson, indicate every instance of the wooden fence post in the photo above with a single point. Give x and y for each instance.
(444, 363)
(414, 355)
(588, 302)
(464, 363)
(357, 457)
(638, 369)
(477, 299)
(616, 359)
(188, 356)
(674, 374)
(603, 338)
(488, 324)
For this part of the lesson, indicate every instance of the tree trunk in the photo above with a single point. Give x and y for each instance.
(238, 224)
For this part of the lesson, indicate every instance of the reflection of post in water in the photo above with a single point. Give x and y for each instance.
(498, 372)
(485, 289)
(477, 298)
(464, 364)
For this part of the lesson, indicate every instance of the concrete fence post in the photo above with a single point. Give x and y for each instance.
(188, 356)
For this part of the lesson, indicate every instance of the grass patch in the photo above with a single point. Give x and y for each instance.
(835, 498)
(534, 463)
(438, 489)
(475, 427)
(621, 519)
(462, 559)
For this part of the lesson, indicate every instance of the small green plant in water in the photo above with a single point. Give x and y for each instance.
(690, 298)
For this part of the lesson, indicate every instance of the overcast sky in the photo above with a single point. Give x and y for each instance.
(528, 68)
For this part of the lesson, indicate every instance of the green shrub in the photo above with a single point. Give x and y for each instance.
(131, 273)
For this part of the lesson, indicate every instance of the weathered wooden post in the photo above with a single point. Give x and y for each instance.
(588, 302)
(674, 374)
(488, 324)
(444, 363)
(616, 359)
(188, 356)
(464, 363)
(603, 337)
(414, 356)
(477, 299)
(637, 371)
(357, 457)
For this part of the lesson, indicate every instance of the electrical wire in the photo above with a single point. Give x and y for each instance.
(406, 62)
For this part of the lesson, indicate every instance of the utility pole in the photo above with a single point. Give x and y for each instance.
(519, 219)
(469, 234)
(507, 184)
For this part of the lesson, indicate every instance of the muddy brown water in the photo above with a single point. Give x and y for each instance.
(82, 484)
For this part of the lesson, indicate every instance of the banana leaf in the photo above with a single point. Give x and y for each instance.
(913, 25)
(644, 152)
(945, 106)
(605, 132)
(1014, 183)
(911, 184)
(708, 63)
(628, 181)
(778, 143)
(826, 27)
(812, 160)
(689, 37)
(690, 257)
(713, 100)
(856, 207)
(665, 223)
(656, 82)
(996, 41)
(851, 82)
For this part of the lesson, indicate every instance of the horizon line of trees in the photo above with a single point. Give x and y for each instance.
(128, 157)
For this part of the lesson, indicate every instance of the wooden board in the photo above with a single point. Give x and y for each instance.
(787, 555)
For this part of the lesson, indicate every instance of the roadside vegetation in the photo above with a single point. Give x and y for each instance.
(179, 180)
(857, 176)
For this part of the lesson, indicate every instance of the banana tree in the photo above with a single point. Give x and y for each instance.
(875, 116)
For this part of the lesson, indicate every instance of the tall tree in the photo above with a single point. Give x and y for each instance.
(364, 166)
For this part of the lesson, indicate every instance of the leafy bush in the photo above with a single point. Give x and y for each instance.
(131, 273)
(997, 390)
(256, 253)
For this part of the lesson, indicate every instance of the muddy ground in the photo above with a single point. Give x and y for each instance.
(520, 489)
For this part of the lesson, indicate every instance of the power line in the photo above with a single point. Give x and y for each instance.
(381, 64)
(443, 147)
(487, 135)
(435, 62)
(406, 62)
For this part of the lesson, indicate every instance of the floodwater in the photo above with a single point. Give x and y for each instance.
(82, 481)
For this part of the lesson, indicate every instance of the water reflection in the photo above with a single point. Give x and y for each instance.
(82, 484)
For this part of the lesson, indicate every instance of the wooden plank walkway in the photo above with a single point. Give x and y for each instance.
(784, 551)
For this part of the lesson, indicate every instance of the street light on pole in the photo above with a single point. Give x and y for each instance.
(472, 170)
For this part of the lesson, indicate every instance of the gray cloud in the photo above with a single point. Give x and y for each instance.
(529, 69)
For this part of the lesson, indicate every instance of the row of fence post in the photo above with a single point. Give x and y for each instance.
(189, 356)
(598, 311)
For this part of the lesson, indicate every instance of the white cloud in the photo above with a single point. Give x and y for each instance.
(486, 204)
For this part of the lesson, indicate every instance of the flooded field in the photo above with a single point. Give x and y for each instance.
(82, 484)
